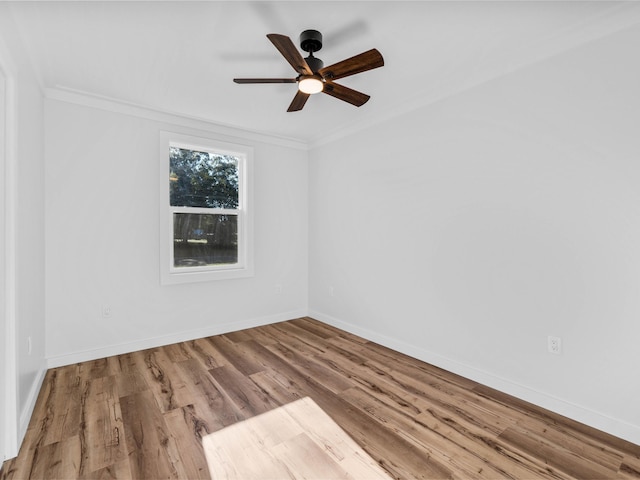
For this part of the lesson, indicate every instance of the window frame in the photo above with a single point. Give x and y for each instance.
(170, 274)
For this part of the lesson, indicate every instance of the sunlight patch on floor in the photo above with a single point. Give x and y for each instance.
(295, 441)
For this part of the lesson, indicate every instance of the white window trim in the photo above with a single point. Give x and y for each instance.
(170, 275)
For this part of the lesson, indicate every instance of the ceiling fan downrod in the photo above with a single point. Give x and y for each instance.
(311, 41)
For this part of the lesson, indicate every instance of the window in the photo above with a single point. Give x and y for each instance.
(205, 211)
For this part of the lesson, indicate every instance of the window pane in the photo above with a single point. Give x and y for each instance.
(203, 239)
(202, 179)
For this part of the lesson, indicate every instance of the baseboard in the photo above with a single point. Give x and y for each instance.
(142, 344)
(30, 404)
(570, 410)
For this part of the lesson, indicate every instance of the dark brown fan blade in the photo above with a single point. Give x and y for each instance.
(298, 101)
(291, 54)
(345, 93)
(264, 80)
(360, 63)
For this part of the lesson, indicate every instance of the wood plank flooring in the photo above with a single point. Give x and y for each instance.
(297, 440)
(143, 415)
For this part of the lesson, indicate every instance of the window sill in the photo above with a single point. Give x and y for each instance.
(178, 277)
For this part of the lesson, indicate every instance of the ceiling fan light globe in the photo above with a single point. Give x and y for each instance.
(310, 85)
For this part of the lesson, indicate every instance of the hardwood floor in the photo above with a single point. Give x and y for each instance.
(143, 415)
(297, 440)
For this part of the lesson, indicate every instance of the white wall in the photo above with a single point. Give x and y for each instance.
(102, 246)
(5, 345)
(468, 231)
(23, 189)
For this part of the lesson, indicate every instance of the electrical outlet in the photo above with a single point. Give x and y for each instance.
(278, 289)
(106, 311)
(554, 345)
(332, 292)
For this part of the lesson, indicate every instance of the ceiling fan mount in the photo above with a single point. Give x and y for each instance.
(311, 41)
(313, 77)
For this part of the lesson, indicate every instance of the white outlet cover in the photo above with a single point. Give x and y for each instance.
(554, 344)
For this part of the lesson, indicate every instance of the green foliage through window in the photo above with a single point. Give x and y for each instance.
(203, 179)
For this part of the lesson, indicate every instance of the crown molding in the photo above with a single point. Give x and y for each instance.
(85, 99)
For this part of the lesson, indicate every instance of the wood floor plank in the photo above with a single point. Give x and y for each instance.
(214, 405)
(102, 438)
(297, 441)
(102, 367)
(302, 455)
(632, 461)
(245, 396)
(146, 437)
(160, 374)
(197, 381)
(387, 358)
(417, 390)
(239, 336)
(465, 455)
(187, 426)
(129, 383)
(71, 458)
(178, 352)
(234, 355)
(143, 415)
(554, 430)
(119, 470)
(270, 331)
(277, 386)
(317, 328)
(48, 458)
(577, 429)
(333, 332)
(395, 454)
(309, 341)
(303, 343)
(262, 336)
(321, 430)
(324, 375)
(556, 456)
(463, 445)
(63, 405)
(628, 471)
(204, 351)
(477, 416)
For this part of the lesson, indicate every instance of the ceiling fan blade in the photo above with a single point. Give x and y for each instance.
(298, 101)
(360, 63)
(264, 80)
(291, 54)
(346, 94)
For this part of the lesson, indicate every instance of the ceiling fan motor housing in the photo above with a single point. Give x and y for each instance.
(314, 63)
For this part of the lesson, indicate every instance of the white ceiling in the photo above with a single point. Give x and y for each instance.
(181, 57)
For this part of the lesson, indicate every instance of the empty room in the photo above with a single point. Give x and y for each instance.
(321, 240)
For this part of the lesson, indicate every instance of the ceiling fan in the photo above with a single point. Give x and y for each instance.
(313, 76)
